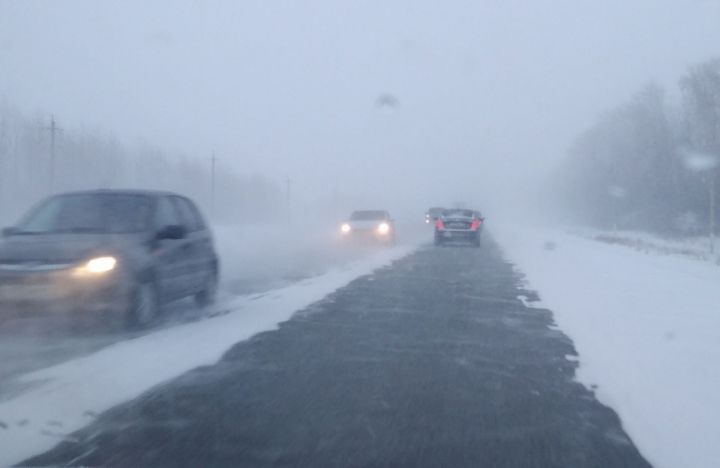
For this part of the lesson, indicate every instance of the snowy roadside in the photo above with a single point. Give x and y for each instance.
(647, 330)
(65, 397)
(693, 247)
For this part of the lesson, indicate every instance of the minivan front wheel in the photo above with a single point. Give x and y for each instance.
(144, 306)
(207, 295)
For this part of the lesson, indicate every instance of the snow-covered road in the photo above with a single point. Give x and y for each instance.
(433, 361)
(647, 330)
(61, 399)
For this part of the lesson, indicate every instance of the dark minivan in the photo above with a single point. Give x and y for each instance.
(116, 256)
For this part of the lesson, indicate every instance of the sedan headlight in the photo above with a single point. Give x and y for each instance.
(384, 228)
(345, 228)
(100, 265)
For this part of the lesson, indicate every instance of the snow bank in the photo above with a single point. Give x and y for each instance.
(647, 329)
(64, 398)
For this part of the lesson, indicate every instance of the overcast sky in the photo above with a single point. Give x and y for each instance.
(490, 92)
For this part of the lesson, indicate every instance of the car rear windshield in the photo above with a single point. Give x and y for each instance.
(459, 213)
(368, 215)
(89, 213)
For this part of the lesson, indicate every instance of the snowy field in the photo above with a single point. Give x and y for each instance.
(697, 247)
(61, 399)
(647, 329)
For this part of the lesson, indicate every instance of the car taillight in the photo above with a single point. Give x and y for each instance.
(440, 224)
(475, 224)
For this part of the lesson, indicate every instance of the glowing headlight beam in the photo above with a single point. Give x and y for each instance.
(345, 228)
(384, 228)
(101, 265)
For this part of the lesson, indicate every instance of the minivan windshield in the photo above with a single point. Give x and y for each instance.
(88, 213)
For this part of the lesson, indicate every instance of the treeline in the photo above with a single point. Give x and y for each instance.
(88, 160)
(650, 164)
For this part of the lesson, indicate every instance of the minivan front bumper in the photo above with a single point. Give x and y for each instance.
(61, 292)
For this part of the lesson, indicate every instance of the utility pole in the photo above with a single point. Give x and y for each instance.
(288, 184)
(53, 129)
(712, 212)
(213, 164)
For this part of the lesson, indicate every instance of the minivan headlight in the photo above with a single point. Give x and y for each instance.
(100, 265)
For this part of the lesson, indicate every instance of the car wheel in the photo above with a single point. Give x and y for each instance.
(208, 293)
(144, 307)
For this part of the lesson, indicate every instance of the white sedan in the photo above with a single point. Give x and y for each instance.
(375, 225)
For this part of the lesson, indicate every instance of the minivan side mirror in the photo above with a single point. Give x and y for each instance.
(9, 231)
(174, 231)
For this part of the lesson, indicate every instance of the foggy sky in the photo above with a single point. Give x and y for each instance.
(490, 93)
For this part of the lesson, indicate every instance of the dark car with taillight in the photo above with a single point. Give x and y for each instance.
(459, 225)
(114, 256)
(432, 214)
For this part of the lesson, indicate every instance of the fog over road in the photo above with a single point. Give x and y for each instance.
(255, 260)
(433, 361)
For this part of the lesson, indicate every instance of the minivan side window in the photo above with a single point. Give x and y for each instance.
(199, 220)
(190, 215)
(166, 214)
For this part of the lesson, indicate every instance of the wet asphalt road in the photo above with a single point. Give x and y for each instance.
(433, 361)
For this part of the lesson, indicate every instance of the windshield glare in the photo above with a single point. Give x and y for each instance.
(111, 214)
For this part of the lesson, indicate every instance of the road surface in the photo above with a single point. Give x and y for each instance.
(433, 361)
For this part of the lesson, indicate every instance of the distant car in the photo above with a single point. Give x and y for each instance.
(375, 225)
(107, 255)
(459, 225)
(433, 214)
